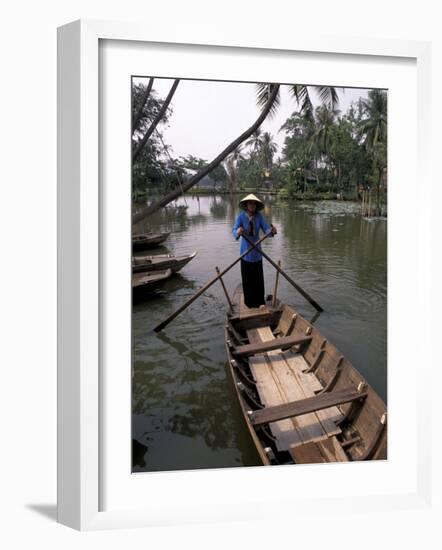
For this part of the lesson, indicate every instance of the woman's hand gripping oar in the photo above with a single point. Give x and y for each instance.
(289, 279)
(209, 284)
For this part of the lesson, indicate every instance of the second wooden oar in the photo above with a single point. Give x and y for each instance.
(289, 279)
(207, 285)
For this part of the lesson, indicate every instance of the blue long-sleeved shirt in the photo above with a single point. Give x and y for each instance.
(259, 222)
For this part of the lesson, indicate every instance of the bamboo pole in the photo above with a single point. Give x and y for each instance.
(207, 285)
(224, 288)
(275, 289)
(289, 279)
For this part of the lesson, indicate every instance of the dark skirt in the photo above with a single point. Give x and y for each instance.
(252, 283)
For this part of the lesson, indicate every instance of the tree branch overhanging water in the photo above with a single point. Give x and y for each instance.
(156, 121)
(148, 210)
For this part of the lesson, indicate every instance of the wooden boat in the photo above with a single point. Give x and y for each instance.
(146, 281)
(302, 400)
(161, 262)
(148, 240)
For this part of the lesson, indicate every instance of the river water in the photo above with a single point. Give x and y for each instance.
(185, 411)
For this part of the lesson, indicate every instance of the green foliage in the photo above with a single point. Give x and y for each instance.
(189, 162)
(327, 152)
(255, 166)
(190, 165)
(153, 169)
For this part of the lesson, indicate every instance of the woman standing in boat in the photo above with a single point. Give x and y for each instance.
(249, 222)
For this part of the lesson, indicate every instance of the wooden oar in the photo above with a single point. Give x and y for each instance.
(289, 279)
(207, 285)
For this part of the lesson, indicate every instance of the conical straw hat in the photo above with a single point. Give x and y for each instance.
(251, 197)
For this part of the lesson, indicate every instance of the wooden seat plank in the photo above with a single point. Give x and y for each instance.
(307, 426)
(269, 345)
(304, 406)
(324, 451)
(273, 370)
(276, 375)
(310, 384)
(310, 428)
(309, 453)
(246, 312)
(286, 432)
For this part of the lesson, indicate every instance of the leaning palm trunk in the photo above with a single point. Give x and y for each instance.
(173, 195)
(229, 167)
(139, 114)
(156, 121)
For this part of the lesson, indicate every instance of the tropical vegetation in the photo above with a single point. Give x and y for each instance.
(326, 153)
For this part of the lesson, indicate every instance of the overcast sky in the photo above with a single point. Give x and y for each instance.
(207, 115)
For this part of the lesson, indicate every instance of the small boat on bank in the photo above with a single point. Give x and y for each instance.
(161, 262)
(302, 400)
(148, 240)
(146, 281)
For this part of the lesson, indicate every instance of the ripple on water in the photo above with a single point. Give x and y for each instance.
(184, 408)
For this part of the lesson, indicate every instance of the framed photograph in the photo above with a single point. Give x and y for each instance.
(190, 355)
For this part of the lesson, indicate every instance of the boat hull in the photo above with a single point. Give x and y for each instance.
(354, 429)
(143, 283)
(147, 240)
(160, 263)
(236, 383)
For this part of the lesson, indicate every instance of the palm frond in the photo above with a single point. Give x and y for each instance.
(302, 97)
(263, 92)
(328, 95)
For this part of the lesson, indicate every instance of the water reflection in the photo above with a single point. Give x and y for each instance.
(218, 208)
(185, 410)
(138, 453)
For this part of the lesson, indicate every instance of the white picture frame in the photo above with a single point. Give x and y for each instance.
(79, 274)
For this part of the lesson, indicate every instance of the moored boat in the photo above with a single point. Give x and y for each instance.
(148, 240)
(146, 281)
(161, 262)
(302, 400)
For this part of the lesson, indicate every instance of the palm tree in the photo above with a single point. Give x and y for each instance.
(373, 128)
(328, 96)
(267, 107)
(268, 98)
(268, 150)
(374, 125)
(301, 93)
(139, 113)
(263, 148)
(298, 145)
(141, 144)
(231, 167)
(325, 120)
(322, 136)
(255, 142)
